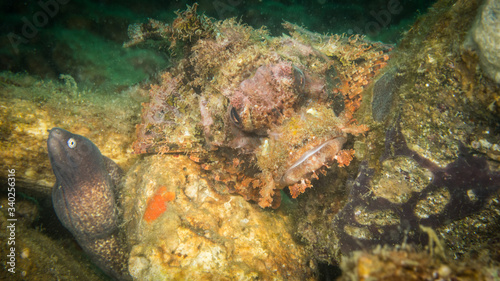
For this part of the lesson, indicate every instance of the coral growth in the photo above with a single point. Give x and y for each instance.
(259, 112)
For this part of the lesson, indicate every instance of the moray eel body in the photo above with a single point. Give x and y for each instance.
(84, 199)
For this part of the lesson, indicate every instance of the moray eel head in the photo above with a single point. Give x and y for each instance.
(72, 156)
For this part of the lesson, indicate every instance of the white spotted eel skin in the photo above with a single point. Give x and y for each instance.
(84, 199)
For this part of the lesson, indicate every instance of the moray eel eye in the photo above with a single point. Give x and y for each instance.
(235, 117)
(71, 143)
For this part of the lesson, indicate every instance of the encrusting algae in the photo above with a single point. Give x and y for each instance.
(260, 112)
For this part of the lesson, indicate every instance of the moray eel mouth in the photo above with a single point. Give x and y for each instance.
(62, 163)
(54, 145)
(312, 160)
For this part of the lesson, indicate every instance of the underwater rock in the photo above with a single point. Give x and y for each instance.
(409, 263)
(204, 233)
(85, 199)
(250, 106)
(466, 185)
(486, 36)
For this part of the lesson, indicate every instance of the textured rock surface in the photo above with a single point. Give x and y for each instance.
(410, 264)
(205, 234)
(486, 34)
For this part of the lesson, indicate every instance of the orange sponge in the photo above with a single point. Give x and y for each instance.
(158, 204)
